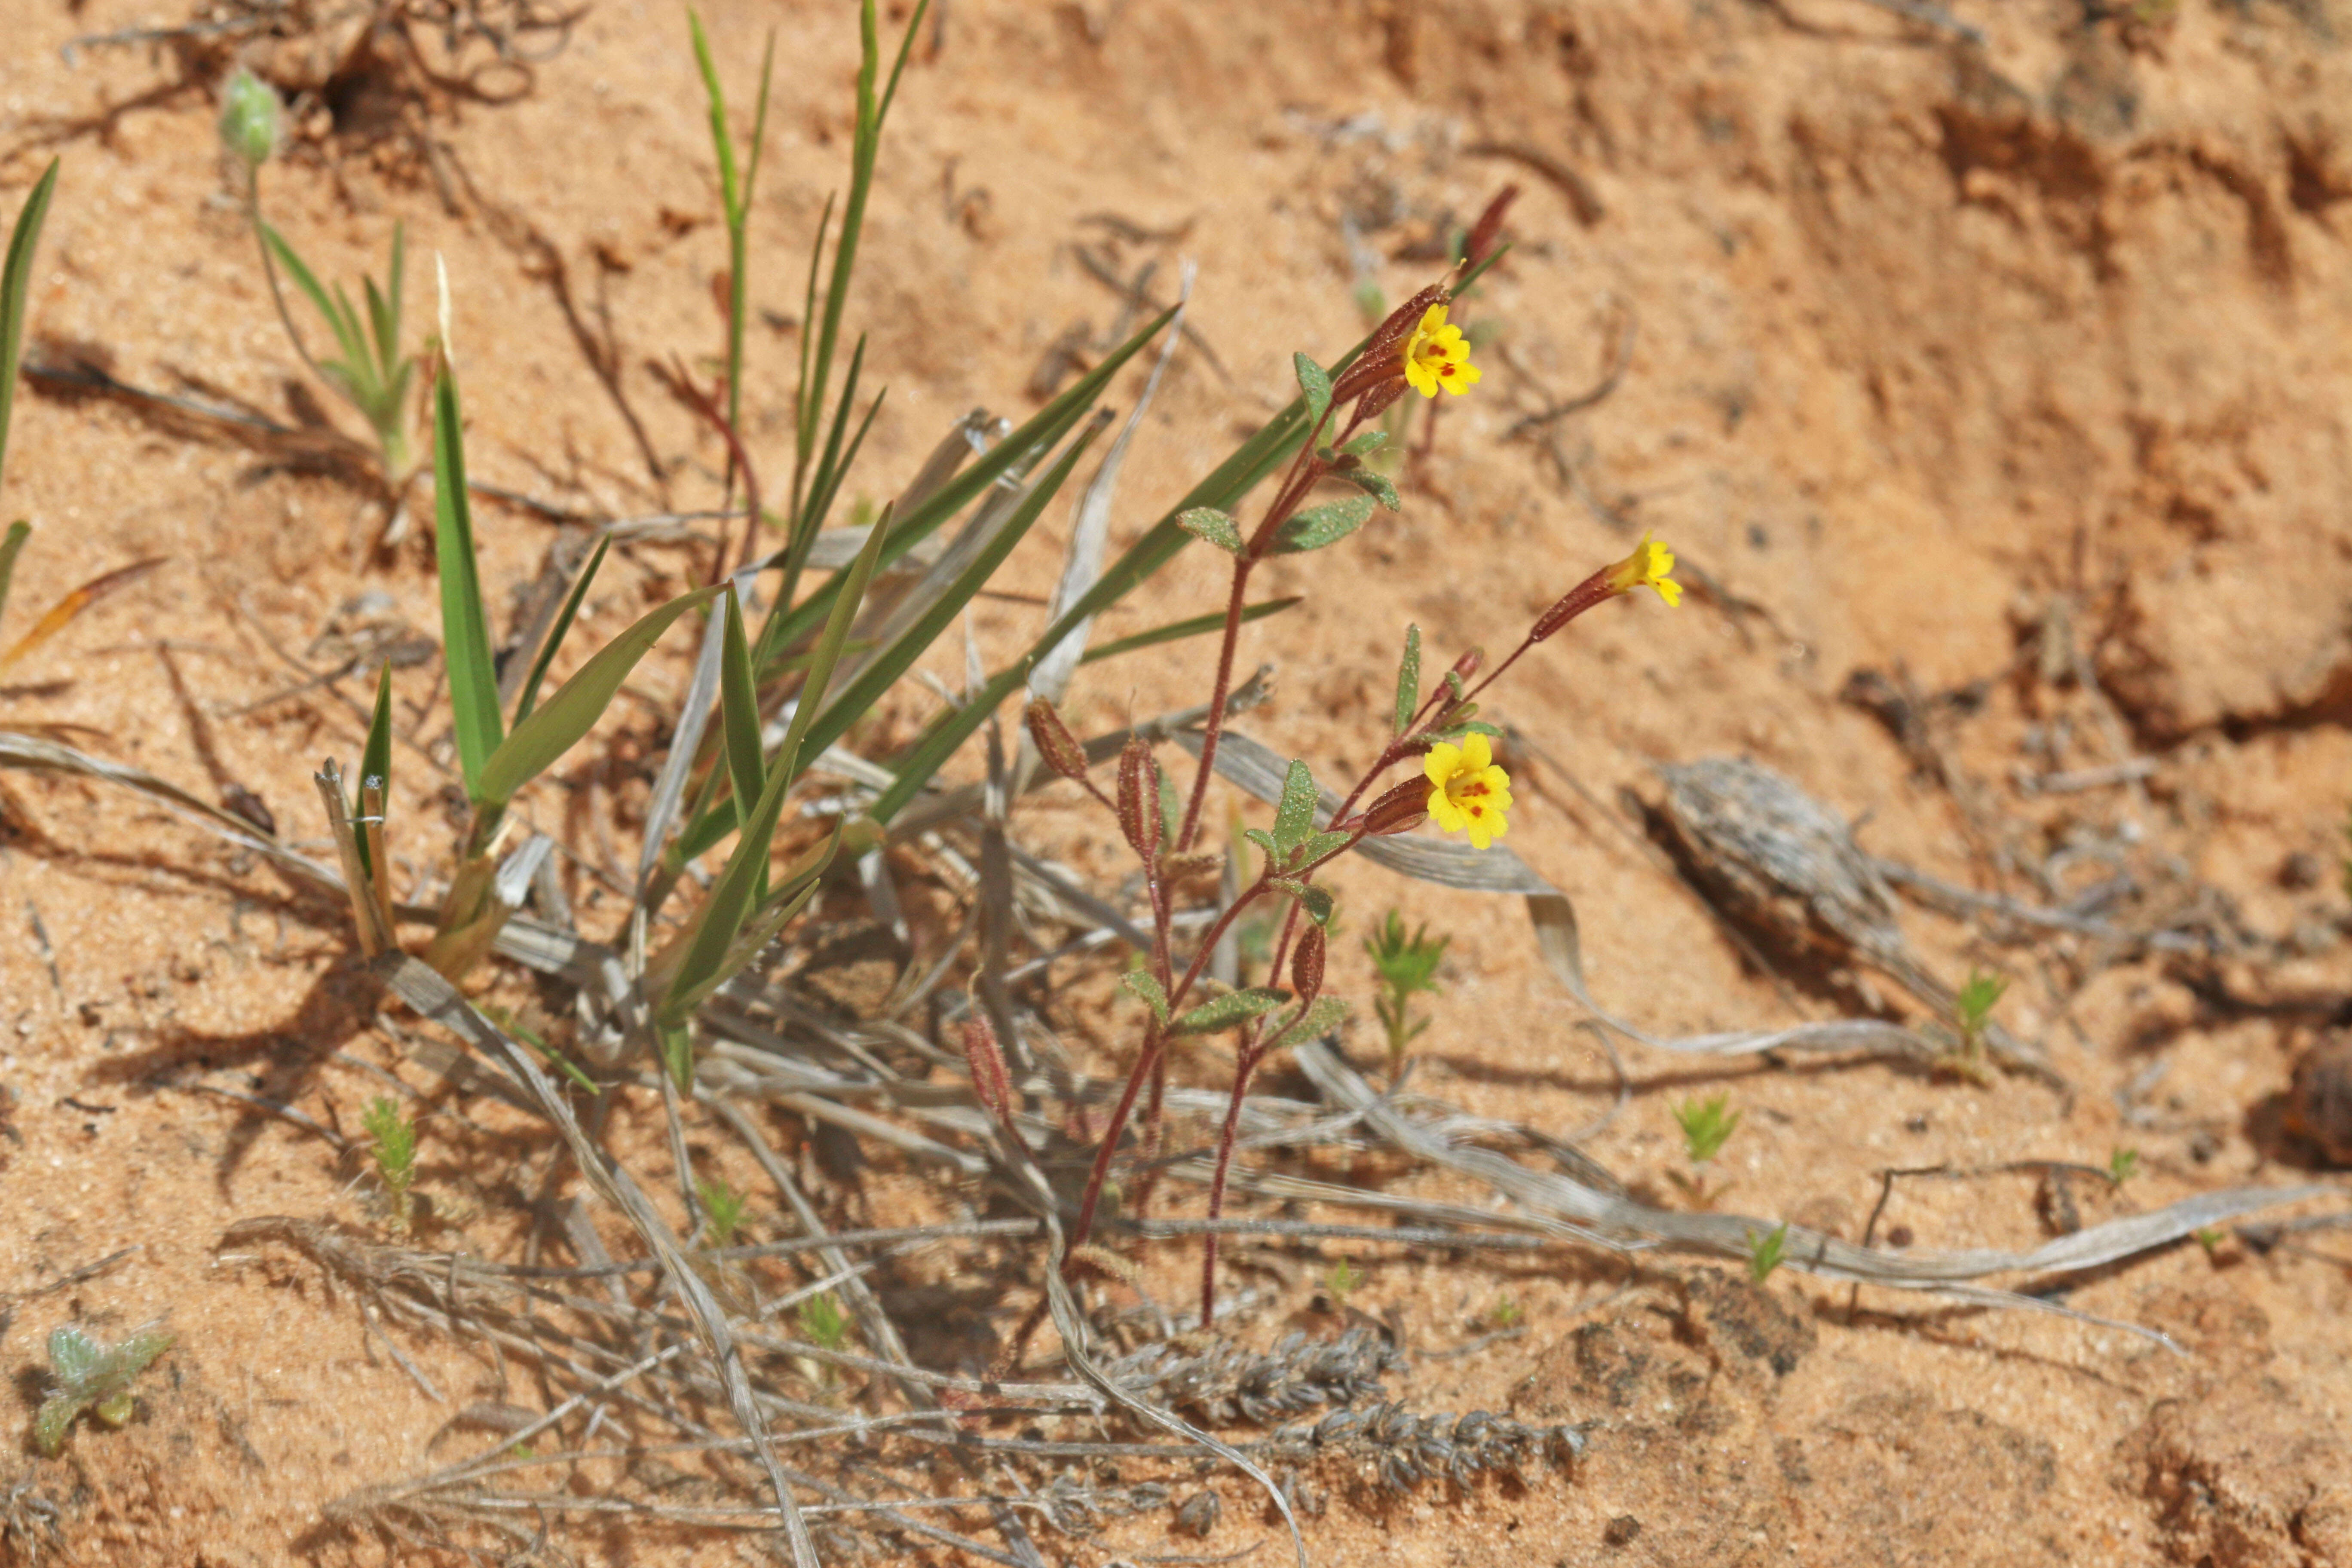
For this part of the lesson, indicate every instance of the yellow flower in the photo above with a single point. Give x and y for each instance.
(1647, 567)
(1467, 792)
(1436, 355)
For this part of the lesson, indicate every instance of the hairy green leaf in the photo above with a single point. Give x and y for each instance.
(1146, 986)
(1233, 1007)
(1314, 385)
(1376, 483)
(1293, 818)
(1316, 900)
(1318, 527)
(1322, 1017)
(1408, 693)
(1213, 527)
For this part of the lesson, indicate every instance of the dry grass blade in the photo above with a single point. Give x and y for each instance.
(61, 614)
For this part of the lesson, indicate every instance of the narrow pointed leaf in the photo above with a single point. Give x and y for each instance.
(563, 619)
(1319, 848)
(555, 727)
(465, 631)
(1375, 483)
(1318, 527)
(1323, 1016)
(16, 289)
(375, 759)
(1408, 693)
(1195, 626)
(1316, 900)
(18, 531)
(739, 700)
(1233, 1007)
(1370, 441)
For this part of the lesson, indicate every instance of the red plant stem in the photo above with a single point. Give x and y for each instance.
(1215, 725)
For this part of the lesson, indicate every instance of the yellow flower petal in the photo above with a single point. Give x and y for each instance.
(1477, 756)
(1443, 759)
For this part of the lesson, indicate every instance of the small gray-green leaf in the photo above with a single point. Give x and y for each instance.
(1319, 848)
(1146, 984)
(556, 725)
(1172, 808)
(1322, 1018)
(1264, 840)
(1233, 1007)
(76, 1358)
(1316, 386)
(1317, 901)
(1378, 483)
(50, 1424)
(1370, 441)
(1217, 528)
(1408, 698)
(1293, 818)
(1324, 525)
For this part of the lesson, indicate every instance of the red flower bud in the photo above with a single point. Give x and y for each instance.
(1467, 665)
(1383, 355)
(1593, 590)
(1054, 743)
(1489, 226)
(1400, 809)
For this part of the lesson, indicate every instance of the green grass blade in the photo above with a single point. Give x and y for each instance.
(376, 758)
(465, 631)
(1197, 625)
(578, 703)
(821, 501)
(760, 119)
(16, 290)
(739, 701)
(716, 98)
(827, 473)
(894, 661)
(352, 337)
(786, 627)
(563, 619)
(732, 894)
(18, 531)
(803, 403)
(395, 286)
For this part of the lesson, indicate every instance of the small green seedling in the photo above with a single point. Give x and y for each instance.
(1343, 1280)
(823, 1320)
(86, 1374)
(2210, 1239)
(2123, 1164)
(1707, 1124)
(725, 1207)
(1407, 966)
(1971, 1016)
(1764, 1252)
(1505, 1313)
(394, 1140)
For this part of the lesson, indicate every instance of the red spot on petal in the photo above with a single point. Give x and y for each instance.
(1445, 369)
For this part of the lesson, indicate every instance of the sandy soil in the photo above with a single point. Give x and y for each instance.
(2014, 373)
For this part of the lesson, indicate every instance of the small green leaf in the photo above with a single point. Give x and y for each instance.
(1315, 383)
(677, 1054)
(1146, 986)
(1318, 527)
(1214, 527)
(740, 710)
(75, 1357)
(1317, 901)
(1407, 696)
(1376, 482)
(20, 530)
(50, 1424)
(1233, 1007)
(465, 631)
(1319, 848)
(1293, 818)
(1370, 441)
(1264, 840)
(557, 726)
(1322, 1018)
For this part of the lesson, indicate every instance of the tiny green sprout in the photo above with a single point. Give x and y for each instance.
(1344, 1278)
(1505, 1313)
(393, 1137)
(1764, 1252)
(2123, 1164)
(824, 1323)
(1407, 967)
(725, 1207)
(1707, 1124)
(86, 1374)
(2210, 1237)
(1971, 1014)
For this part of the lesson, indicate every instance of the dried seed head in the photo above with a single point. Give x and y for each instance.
(1139, 800)
(1054, 743)
(990, 1082)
